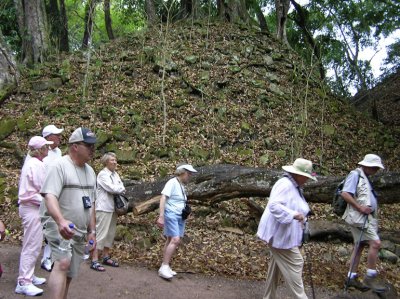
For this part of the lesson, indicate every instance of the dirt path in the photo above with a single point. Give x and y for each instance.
(135, 282)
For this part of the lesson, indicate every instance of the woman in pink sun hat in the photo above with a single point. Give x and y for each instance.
(29, 198)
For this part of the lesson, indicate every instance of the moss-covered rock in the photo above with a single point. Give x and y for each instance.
(7, 126)
(125, 156)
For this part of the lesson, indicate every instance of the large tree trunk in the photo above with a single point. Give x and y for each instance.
(107, 19)
(8, 69)
(282, 8)
(64, 43)
(33, 31)
(54, 19)
(89, 16)
(260, 17)
(150, 10)
(234, 11)
(217, 183)
(302, 20)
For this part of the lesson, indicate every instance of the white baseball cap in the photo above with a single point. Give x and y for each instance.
(50, 130)
(187, 167)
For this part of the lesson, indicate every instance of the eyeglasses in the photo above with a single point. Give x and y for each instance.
(87, 145)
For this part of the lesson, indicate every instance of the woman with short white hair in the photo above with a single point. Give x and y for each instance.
(172, 202)
(108, 184)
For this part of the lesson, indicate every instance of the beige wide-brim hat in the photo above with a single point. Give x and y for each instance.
(372, 160)
(302, 167)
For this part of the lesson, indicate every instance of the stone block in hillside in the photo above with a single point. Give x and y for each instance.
(272, 77)
(125, 156)
(52, 84)
(275, 89)
(7, 126)
(200, 153)
(388, 256)
(388, 245)
(102, 138)
(192, 59)
(268, 60)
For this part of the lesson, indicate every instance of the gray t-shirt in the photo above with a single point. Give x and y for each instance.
(69, 183)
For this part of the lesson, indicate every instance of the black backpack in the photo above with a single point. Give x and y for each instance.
(339, 205)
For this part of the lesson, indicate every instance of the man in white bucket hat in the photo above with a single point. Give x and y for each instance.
(361, 213)
(281, 227)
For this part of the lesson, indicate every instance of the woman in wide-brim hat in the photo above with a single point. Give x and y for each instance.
(281, 227)
(172, 202)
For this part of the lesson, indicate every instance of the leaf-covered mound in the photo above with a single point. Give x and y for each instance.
(223, 94)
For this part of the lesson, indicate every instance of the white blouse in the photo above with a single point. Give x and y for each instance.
(277, 226)
(108, 184)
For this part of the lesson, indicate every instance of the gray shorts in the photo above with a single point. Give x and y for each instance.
(74, 253)
(370, 231)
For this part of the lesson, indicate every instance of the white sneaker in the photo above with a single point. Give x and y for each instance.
(28, 290)
(46, 264)
(38, 280)
(173, 273)
(164, 272)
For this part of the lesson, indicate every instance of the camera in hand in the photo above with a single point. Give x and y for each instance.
(86, 202)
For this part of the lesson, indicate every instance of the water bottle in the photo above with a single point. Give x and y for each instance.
(88, 247)
(64, 243)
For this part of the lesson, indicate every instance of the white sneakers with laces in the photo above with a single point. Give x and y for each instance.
(37, 281)
(46, 264)
(166, 272)
(28, 289)
(31, 289)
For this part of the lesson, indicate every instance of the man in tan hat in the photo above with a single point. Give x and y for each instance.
(281, 227)
(361, 213)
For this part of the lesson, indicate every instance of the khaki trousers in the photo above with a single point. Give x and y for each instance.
(289, 264)
(106, 226)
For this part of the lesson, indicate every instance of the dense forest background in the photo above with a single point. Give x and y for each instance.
(244, 82)
(328, 35)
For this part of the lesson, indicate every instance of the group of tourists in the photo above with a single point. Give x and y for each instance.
(283, 223)
(63, 202)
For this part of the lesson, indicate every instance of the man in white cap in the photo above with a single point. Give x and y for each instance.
(281, 227)
(51, 133)
(172, 203)
(361, 213)
(69, 191)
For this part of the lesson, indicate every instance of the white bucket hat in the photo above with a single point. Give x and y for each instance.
(372, 160)
(187, 167)
(302, 167)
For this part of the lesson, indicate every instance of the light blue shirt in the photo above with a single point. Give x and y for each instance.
(350, 186)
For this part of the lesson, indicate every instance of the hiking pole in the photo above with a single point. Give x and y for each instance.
(306, 238)
(356, 248)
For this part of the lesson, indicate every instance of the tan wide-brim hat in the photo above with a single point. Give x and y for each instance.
(372, 160)
(302, 167)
